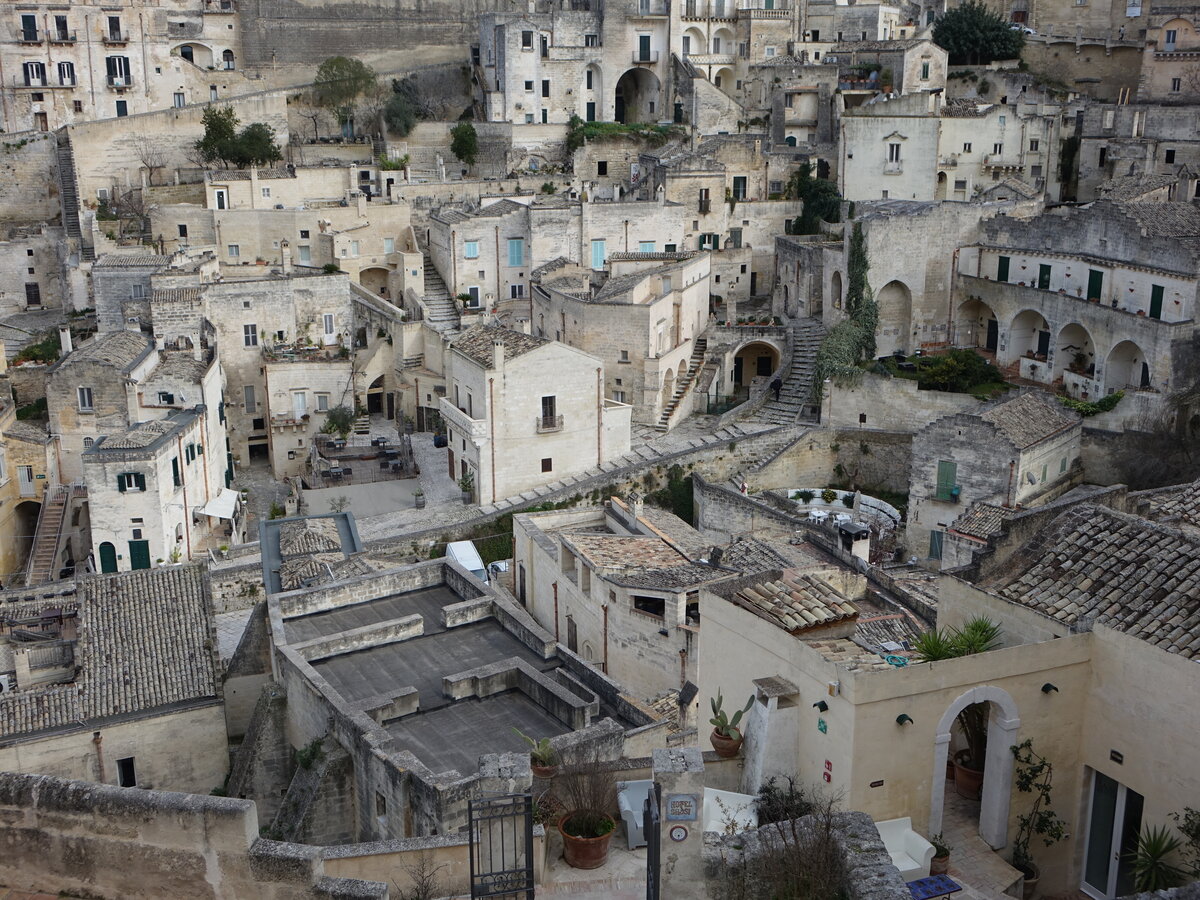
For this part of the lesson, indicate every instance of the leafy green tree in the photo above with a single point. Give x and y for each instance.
(255, 146)
(973, 35)
(340, 82)
(822, 202)
(464, 143)
(860, 302)
(220, 133)
(339, 421)
(400, 115)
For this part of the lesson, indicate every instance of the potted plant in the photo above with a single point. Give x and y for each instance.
(725, 737)
(419, 498)
(589, 794)
(542, 757)
(978, 635)
(940, 863)
(467, 485)
(408, 423)
(1033, 774)
(828, 496)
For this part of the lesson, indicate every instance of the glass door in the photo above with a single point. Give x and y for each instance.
(1114, 820)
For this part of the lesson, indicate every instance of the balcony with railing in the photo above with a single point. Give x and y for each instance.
(711, 59)
(461, 421)
(119, 82)
(549, 424)
(29, 35)
(1002, 161)
(115, 37)
(62, 37)
(645, 57)
(893, 167)
(650, 9)
(39, 84)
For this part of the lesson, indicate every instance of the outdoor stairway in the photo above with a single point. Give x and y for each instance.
(40, 568)
(684, 383)
(441, 310)
(362, 425)
(70, 197)
(798, 382)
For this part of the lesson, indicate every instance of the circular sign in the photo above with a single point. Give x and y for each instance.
(678, 833)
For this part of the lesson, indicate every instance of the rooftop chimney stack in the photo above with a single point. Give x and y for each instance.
(285, 254)
(64, 337)
(497, 354)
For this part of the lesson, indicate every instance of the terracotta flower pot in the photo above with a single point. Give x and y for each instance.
(939, 865)
(1030, 884)
(581, 852)
(543, 771)
(726, 747)
(968, 782)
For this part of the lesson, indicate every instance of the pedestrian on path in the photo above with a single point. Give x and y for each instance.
(777, 386)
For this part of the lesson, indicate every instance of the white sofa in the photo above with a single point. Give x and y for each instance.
(910, 852)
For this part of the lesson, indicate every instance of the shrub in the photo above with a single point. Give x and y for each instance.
(780, 801)
(848, 501)
(805, 496)
(1086, 408)
(45, 350)
(464, 143)
(828, 495)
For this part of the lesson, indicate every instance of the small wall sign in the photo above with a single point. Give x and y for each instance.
(1116, 756)
(878, 783)
(822, 727)
(678, 833)
(39, 476)
(681, 808)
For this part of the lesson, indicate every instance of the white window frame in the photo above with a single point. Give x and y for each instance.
(470, 249)
(233, 251)
(83, 395)
(250, 335)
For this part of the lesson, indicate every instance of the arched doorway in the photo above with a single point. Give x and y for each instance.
(108, 557)
(693, 42)
(835, 289)
(637, 96)
(756, 361)
(1028, 335)
(976, 326)
(227, 59)
(591, 97)
(668, 389)
(942, 190)
(27, 514)
(186, 52)
(374, 279)
(1003, 724)
(723, 42)
(196, 54)
(895, 315)
(375, 397)
(1127, 368)
(1074, 351)
(724, 79)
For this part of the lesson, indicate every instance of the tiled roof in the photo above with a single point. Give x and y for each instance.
(244, 174)
(1131, 187)
(901, 44)
(130, 261)
(673, 578)
(138, 436)
(981, 521)
(1014, 185)
(28, 431)
(120, 348)
(315, 568)
(476, 343)
(180, 364)
(628, 552)
(1135, 576)
(452, 215)
(964, 108)
(874, 631)
(307, 536)
(1030, 417)
(796, 602)
(1165, 219)
(177, 295)
(1176, 505)
(145, 642)
(750, 555)
(546, 268)
(665, 257)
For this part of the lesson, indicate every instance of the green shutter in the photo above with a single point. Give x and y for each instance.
(1156, 301)
(1044, 277)
(1002, 268)
(1095, 284)
(121, 483)
(947, 475)
(141, 481)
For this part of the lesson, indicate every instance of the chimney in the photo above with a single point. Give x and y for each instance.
(634, 499)
(498, 354)
(3, 359)
(197, 350)
(285, 252)
(64, 337)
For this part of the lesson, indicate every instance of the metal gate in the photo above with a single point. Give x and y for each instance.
(651, 823)
(500, 827)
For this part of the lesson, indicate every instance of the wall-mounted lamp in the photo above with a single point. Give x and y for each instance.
(821, 706)
(1048, 688)
(904, 719)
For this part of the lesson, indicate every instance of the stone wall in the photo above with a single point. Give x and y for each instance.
(892, 404)
(118, 844)
(29, 179)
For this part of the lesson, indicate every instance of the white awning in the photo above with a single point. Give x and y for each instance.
(222, 506)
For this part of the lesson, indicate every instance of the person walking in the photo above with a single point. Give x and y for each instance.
(777, 386)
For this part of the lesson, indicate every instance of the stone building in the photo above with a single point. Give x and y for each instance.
(1019, 451)
(97, 61)
(115, 679)
(509, 429)
(1099, 298)
(917, 147)
(644, 321)
(1137, 142)
(34, 266)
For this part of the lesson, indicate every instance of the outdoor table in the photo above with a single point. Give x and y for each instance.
(935, 886)
(818, 514)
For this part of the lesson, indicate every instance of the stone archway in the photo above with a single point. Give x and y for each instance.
(976, 326)
(1029, 333)
(835, 289)
(1127, 367)
(636, 96)
(1003, 724)
(1075, 351)
(894, 301)
(668, 389)
(374, 279)
(754, 360)
(196, 53)
(725, 80)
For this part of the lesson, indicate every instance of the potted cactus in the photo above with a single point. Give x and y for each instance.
(543, 760)
(726, 738)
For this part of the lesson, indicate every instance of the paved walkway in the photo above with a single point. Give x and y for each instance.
(983, 873)
(230, 627)
(623, 877)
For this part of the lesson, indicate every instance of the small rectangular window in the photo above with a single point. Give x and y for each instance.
(85, 399)
(266, 192)
(591, 40)
(1168, 156)
(1034, 146)
(250, 335)
(471, 249)
(233, 251)
(547, 464)
(967, 147)
(389, 245)
(651, 606)
(322, 403)
(516, 251)
(526, 40)
(924, 71)
(601, 168)
(304, 234)
(1176, 85)
(126, 776)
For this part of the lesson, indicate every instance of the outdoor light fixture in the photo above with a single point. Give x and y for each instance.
(904, 719)
(821, 705)
(1048, 687)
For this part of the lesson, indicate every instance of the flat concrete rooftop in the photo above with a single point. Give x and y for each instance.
(455, 736)
(425, 603)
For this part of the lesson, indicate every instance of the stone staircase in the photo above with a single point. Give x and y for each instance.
(40, 568)
(69, 195)
(362, 425)
(684, 383)
(797, 383)
(441, 310)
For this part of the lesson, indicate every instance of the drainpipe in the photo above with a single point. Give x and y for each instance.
(605, 607)
(1008, 491)
(498, 292)
(951, 337)
(187, 520)
(96, 743)
(599, 417)
(492, 430)
(554, 587)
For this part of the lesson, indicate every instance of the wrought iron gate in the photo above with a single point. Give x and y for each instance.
(500, 827)
(651, 823)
